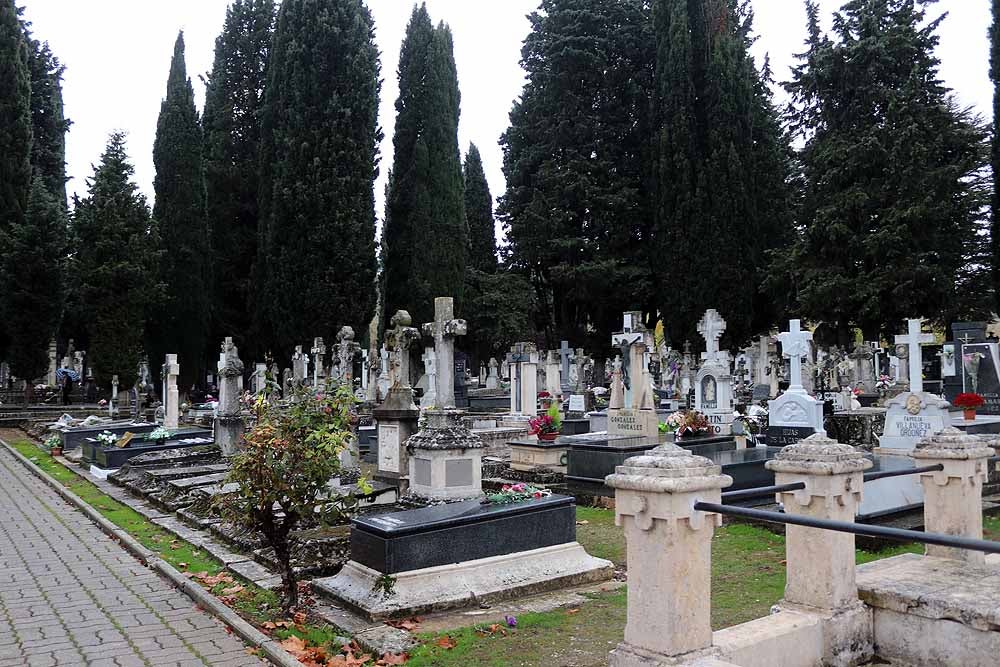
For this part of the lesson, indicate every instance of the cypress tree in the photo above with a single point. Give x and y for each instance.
(319, 163)
(479, 213)
(426, 232)
(33, 279)
(181, 325)
(234, 97)
(49, 125)
(115, 264)
(995, 153)
(893, 174)
(722, 203)
(576, 157)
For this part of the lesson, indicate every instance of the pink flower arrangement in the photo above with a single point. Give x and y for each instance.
(515, 493)
(542, 425)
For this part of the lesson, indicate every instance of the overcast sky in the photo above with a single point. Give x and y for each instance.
(117, 54)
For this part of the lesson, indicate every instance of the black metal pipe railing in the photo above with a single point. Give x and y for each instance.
(761, 491)
(886, 532)
(882, 474)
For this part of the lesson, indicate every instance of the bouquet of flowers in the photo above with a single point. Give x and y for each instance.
(694, 423)
(107, 438)
(547, 424)
(884, 382)
(159, 433)
(515, 493)
(672, 422)
(53, 442)
(968, 401)
(103, 403)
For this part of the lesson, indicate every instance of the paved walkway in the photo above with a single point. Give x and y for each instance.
(70, 595)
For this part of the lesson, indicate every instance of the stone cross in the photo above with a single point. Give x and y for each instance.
(430, 370)
(299, 365)
(795, 346)
(711, 327)
(912, 341)
(443, 330)
(318, 351)
(632, 334)
(346, 349)
(171, 397)
(492, 381)
(398, 340)
(228, 423)
(566, 355)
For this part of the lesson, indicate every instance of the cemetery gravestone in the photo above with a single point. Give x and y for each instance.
(229, 422)
(171, 397)
(522, 361)
(713, 383)
(492, 381)
(443, 330)
(795, 415)
(631, 410)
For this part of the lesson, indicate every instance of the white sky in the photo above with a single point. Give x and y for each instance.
(117, 54)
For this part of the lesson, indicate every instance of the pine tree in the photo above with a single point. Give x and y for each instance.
(576, 157)
(234, 97)
(32, 269)
(15, 135)
(479, 213)
(115, 265)
(722, 202)
(995, 153)
(426, 233)
(181, 325)
(893, 176)
(319, 163)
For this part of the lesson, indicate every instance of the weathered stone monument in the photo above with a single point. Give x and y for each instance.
(631, 410)
(713, 393)
(50, 377)
(171, 397)
(346, 350)
(300, 366)
(522, 361)
(492, 380)
(229, 421)
(553, 382)
(319, 369)
(915, 414)
(795, 415)
(397, 416)
(445, 458)
(443, 330)
(429, 379)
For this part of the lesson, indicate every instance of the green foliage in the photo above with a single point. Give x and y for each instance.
(31, 270)
(893, 174)
(721, 200)
(498, 308)
(426, 233)
(181, 321)
(288, 459)
(15, 132)
(49, 125)
(320, 138)
(576, 157)
(115, 265)
(234, 96)
(479, 213)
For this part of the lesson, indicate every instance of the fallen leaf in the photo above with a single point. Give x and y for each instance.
(294, 645)
(572, 611)
(393, 659)
(300, 618)
(408, 624)
(233, 590)
(446, 643)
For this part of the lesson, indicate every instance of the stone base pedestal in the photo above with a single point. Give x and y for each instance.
(397, 420)
(467, 584)
(446, 458)
(526, 455)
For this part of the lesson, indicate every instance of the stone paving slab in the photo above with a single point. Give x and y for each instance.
(70, 595)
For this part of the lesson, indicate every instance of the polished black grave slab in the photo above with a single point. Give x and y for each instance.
(74, 437)
(110, 458)
(90, 445)
(459, 532)
(592, 459)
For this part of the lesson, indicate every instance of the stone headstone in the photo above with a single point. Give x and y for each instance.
(713, 393)
(229, 422)
(50, 377)
(981, 374)
(461, 379)
(318, 351)
(346, 350)
(565, 358)
(398, 340)
(171, 397)
(492, 380)
(553, 381)
(794, 414)
(523, 361)
(300, 365)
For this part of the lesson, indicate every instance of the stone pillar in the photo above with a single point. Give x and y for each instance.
(171, 398)
(446, 459)
(669, 553)
(444, 329)
(953, 497)
(229, 422)
(50, 377)
(113, 403)
(553, 383)
(821, 563)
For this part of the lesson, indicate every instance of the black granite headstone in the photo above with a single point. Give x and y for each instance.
(461, 386)
(782, 436)
(962, 333)
(981, 374)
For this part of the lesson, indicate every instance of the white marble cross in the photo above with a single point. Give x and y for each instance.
(711, 327)
(795, 346)
(912, 341)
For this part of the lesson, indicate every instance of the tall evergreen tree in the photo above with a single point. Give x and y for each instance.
(319, 163)
(115, 264)
(15, 134)
(181, 324)
(722, 201)
(234, 97)
(893, 171)
(479, 213)
(575, 157)
(32, 270)
(49, 125)
(995, 153)
(426, 233)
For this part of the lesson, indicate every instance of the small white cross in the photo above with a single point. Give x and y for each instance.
(711, 327)
(795, 346)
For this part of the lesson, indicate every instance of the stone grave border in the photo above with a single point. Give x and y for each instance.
(375, 637)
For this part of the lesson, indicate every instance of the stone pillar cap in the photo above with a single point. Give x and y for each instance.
(668, 468)
(819, 455)
(444, 430)
(951, 443)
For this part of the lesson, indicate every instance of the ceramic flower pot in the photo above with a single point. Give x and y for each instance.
(969, 414)
(548, 437)
(56, 451)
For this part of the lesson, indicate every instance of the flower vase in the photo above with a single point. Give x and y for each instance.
(56, 451)
(969, 414)
(548, 437)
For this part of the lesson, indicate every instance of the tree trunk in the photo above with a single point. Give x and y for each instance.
(290, 589)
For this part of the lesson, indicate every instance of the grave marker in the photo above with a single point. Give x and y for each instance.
(795, 415)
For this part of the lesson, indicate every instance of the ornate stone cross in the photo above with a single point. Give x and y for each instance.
(318, 351)
(632, 334)
(711, 327)
(398, 340)
(443, 330)
(346, 349)
(912, 341)
(795, 346)
(565, 355)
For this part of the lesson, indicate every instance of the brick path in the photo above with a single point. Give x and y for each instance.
(70, 595)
